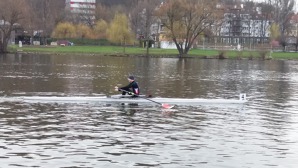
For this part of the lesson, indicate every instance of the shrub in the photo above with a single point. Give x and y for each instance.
(222, 55)
(263, 54)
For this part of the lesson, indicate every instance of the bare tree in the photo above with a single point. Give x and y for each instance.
(185, 20)
(46, 15)
(32, 22)
(103, 12)
(11, 14)
(216, 29)
(282, 15)
(294, 33)
(107, 12)
(265, 17)
(142, 19)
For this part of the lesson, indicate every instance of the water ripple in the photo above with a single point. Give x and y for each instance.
(262, 133)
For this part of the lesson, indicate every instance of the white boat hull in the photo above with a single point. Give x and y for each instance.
(105, 99)
(123, 99)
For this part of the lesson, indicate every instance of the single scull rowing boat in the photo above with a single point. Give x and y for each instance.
(129, 99)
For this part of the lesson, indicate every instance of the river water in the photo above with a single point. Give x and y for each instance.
(262, 133)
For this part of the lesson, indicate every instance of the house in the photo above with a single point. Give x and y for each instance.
(244, 27)
(238, 26)
(294, 27)
(83, 10)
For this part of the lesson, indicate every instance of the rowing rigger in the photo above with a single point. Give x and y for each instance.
(128, 99)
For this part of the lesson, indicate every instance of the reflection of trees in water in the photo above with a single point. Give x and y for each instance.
(25, 73)
(202, 78)
(157, 75)
(129, 109)
(269, 77)
(271, 80)
(165, 77)
(278, 83)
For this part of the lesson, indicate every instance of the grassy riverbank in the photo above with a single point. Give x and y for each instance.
(116, 50)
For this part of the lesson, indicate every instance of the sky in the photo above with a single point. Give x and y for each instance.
(295, 8)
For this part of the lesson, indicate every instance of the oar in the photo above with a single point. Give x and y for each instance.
(167, 106)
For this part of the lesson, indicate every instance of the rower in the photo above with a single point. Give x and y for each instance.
(132, 88)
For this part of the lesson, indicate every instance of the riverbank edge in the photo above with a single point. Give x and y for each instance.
(143, 55)
(117, 51)
(117, 55)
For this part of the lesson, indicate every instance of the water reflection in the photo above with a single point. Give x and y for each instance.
(263, 133)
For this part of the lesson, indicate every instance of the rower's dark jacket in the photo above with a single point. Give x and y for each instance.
(131, 87)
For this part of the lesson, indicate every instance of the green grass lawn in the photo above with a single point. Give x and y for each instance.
(117, 50)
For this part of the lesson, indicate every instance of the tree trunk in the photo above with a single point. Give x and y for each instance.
(147, 48)
(3, 46)
(124, 44)
(182, 52)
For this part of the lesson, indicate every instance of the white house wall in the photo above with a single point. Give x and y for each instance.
(167, 45)
(81, 1)
(79, 5)
(85, 6)
(250, 27)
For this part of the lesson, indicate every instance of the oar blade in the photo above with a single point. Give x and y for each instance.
(167, 106)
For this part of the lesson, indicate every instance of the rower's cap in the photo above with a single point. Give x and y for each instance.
(131, 77)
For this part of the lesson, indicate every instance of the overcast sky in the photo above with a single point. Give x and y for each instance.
(295, 8)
